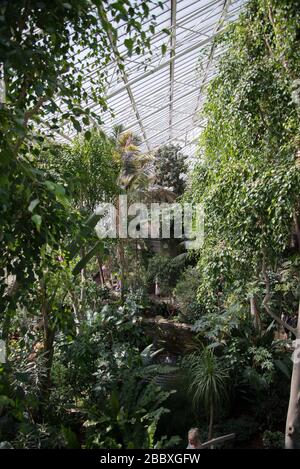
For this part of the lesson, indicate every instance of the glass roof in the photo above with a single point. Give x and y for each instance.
(160, 96)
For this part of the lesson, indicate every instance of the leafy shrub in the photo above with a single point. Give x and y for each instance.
(136, 302)
(98, 355)
(38, 436)
(273, 440)
(129, 416)
(244, 427)
(186, 295)
(166, 271)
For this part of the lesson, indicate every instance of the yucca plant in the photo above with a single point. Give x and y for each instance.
(208, 383)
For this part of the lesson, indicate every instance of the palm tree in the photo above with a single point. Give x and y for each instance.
(133, 177)
(208, 381)
(137, 176)
(136, 180)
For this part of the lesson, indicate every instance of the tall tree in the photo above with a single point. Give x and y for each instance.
(248, 176)
(208, 384)
(47, 49)
(170, 168)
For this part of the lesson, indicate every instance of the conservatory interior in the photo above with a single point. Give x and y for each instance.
(150, 224)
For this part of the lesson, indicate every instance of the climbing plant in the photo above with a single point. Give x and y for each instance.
(248, 174)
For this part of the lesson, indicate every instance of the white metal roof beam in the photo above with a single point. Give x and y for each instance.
(161, 108)
(176, 124)
(194, 15)
(218, 27)
(172, 64)
(202, 43)
(151, 86)
(125, 79)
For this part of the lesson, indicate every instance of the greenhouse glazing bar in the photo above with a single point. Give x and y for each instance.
(147, 93)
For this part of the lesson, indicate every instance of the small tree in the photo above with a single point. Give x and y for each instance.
(208, 383)
(170, 168)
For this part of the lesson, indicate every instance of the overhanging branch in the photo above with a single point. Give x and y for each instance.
(266, 300)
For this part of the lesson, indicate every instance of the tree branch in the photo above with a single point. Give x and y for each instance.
(267, 299)
(27, 116)
(271, 53)
(32, 111)
(220, 439)
(255, 313)
(279, 320)
(297, 228)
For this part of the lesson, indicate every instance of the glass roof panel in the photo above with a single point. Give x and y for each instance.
(160, 97)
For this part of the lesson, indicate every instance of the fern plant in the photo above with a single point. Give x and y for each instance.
(129, 417)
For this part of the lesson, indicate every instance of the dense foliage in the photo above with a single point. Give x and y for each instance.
(248, 174)
(124, 343)
(170, 168)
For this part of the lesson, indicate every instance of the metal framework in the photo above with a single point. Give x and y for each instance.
(162, 102)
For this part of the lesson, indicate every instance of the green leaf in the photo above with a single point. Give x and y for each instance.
(129, 43)
(98, 248)
(163, 49)
(145, 8)
(87, 134)
(37, 220)
(70, 438)
(76, 124)
(39, 88)
(59, 191)
(33, 204)
(86, 230)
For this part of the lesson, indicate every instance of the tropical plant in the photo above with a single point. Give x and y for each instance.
(166, 270)
(186, 295)
(208, 383)
(130, 417)
(43, 236)
(87, 168)
(170, 168)
(248, 173)
(273, 440)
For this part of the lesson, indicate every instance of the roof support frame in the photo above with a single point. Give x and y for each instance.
(165, 106)
(172, 63)
(125, 79)
(163, 65)
(161, 97)
(225, 8)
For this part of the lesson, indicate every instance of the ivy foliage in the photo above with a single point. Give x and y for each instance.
(88, 169)
(170, 168)
(47, 49)
(247, 176)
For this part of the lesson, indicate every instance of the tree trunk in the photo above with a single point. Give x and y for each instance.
(122, 269)
(292, 431)
(6, 331)
(211, 421)
(101, 271)
(12, 286)
(121, 255)
(49, 334)
(297, 229)
(255, 314)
